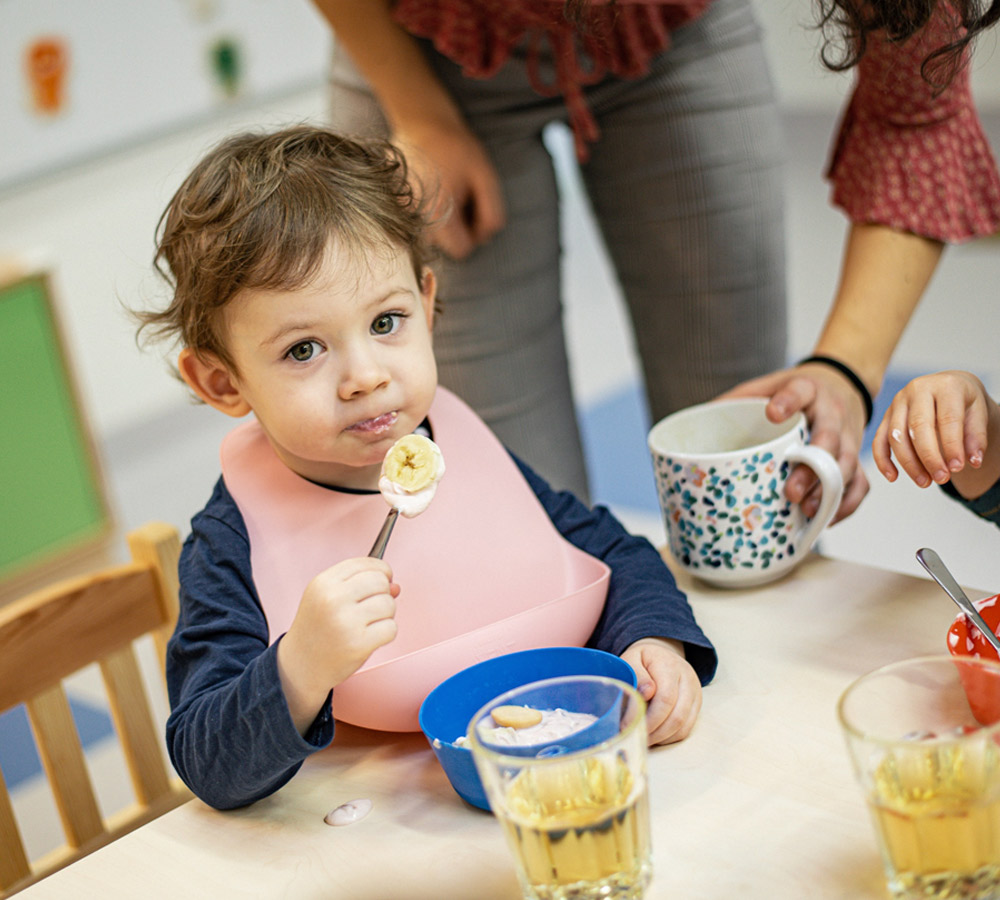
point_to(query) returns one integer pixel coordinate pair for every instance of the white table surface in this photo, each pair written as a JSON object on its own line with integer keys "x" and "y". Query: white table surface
{"x": 759, "y": 802}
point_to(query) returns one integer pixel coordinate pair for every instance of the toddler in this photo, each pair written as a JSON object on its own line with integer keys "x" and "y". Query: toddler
{"x": 301, "y": 293}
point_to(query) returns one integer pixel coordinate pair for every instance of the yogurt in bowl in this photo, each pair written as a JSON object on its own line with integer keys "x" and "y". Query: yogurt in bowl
{"x": 446, "y": 712}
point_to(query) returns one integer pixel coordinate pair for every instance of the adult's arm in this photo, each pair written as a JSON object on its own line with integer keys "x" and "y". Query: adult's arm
{"x": 447, "y": 161}
{"x": 912, "y": 169}
{"x": 883, "y": 277}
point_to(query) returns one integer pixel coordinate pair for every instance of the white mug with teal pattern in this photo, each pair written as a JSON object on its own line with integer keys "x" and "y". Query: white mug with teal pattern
{"x": 721, "y": 469}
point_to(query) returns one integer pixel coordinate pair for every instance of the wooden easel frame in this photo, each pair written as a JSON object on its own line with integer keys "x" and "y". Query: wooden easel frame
{"x": 75, "y": 553}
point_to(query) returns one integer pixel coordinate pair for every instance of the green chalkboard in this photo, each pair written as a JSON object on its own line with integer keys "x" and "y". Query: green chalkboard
{"x": 51, "y": 493}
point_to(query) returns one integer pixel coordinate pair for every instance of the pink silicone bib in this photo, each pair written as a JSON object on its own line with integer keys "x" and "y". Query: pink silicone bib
{"x": 482, "y": 572}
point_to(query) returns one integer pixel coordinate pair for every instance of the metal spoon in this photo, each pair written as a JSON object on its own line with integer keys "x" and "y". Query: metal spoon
{"x": 939, "y": 572}
{"x": 378, "y": 548}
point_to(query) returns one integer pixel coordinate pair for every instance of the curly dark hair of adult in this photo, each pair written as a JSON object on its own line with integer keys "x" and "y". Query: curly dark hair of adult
{"x": 847, "y": 26}
{"x": 258, "y": 212}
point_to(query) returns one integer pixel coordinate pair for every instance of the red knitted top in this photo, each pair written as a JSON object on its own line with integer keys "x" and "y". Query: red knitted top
{"x": 903, "y": 156}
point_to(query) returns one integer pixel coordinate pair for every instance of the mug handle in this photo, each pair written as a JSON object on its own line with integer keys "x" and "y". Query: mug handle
{"x": 825, "y": 466}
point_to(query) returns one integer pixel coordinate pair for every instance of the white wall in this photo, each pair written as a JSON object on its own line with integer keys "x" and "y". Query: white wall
{"x": 94, "y": 225}
{"x": 162, "y": 64}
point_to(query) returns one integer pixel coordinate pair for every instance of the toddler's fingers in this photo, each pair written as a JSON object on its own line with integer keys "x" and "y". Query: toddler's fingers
{"x": 901, "y": 442}
{"x": 376, "y": 607}
{"x": 949, "y": 414}
{"x": 976, "y": 431}
{"x": 659, "y": 694}
{"x": 881, "y": 451}
{"x": 352, "y": 567}
{"x": 676, "y": 700}
{"x": 923, "y": 425}
{"x": 645, "y": 683}
{"x": 380, "y": 633}
{"x": 679, "y": 721}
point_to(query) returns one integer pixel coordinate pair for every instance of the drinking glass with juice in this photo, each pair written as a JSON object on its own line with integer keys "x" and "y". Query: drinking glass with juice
{"x": 930, "y": 771}
{"x": 574, "y": 805}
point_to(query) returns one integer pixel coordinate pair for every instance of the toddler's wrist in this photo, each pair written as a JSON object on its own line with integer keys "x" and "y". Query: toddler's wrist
{"x": 303, "y": 695}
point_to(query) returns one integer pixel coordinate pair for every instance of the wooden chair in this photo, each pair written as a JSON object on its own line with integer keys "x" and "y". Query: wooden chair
{"x": 53, "y": 633}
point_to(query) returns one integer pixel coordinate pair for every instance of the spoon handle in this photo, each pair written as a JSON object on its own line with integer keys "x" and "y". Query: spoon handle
{"x": 378, "y": 548}
{"x": 939, "y": 572}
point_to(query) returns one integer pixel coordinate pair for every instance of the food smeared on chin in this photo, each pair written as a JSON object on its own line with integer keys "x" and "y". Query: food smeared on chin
{"x": 410, "y": 474}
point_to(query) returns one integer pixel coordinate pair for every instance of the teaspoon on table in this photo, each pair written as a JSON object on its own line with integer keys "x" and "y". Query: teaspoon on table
{"x": 939, "y": 572}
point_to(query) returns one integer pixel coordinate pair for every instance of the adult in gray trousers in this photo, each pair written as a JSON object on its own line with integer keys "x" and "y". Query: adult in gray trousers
{"x": 677, "y": 133}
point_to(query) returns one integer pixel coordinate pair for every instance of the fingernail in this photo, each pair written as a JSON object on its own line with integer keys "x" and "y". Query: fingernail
{"x": 923, "y": 481}
{"x": 941, "y": 476}
{"x": 955, "y": 465}
{"x": 646, "y": 689}
{"x": 976, "y": 459}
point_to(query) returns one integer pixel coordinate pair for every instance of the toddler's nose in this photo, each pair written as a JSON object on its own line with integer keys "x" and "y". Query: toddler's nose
{"x": 363, "y": 374}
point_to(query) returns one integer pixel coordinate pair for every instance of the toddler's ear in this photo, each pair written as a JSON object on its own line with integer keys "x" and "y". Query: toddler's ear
{"x": 428, "y": 294}
{"x": 212, "y": 382}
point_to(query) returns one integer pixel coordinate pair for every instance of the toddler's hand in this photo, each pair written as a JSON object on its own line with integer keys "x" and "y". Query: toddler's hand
{"x": 669, "y": 686}
{"x": 346, "y": 613}
{"x": 935, "y": 426}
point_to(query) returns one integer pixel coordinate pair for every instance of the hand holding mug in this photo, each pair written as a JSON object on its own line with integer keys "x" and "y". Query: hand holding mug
{"x": 721, "y": 470}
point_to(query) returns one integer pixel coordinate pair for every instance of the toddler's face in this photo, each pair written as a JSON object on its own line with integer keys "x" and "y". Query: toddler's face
{"x": 340, "y": 369}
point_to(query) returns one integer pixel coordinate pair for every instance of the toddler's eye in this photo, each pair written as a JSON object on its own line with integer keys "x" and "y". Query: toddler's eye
{"x": 386, "y": 324}
{"x": 303, "y": 351}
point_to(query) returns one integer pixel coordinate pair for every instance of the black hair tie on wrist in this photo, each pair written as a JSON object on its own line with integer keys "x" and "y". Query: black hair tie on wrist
{"x": 850, "y": 375}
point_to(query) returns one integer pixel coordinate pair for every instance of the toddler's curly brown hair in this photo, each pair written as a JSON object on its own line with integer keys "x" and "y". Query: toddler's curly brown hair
{"x": 259, "y": 211}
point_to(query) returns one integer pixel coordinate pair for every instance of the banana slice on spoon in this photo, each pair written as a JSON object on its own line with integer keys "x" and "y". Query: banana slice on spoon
{"x": 411, "y": 471}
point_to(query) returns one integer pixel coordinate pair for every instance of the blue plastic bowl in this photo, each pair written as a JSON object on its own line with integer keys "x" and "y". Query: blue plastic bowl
{"x": 446, "y": 711}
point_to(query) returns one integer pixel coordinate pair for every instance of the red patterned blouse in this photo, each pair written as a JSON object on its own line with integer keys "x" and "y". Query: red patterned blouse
{"x": 911, "y": 159}
{"x": 904, "y": 157}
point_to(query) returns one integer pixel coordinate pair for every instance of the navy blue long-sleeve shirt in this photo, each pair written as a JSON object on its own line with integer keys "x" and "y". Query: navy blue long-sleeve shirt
{"x": 230, "y": 735}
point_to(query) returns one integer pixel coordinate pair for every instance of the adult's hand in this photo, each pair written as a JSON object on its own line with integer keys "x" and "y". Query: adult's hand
{"x": 447, "y": 161}
{"x": 836, "y": 416}
{"x": 450, "y": 168}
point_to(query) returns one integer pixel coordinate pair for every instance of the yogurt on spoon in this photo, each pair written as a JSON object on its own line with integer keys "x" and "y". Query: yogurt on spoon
{"x": 410, "y": 474}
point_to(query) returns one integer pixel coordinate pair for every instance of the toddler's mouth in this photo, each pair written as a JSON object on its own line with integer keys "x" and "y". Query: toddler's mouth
{"x": 377, "y": 425}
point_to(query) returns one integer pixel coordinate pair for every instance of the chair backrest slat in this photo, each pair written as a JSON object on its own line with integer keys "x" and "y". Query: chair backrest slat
{"x": 62, "y": 757}
{"x": 134, "y": 724}
{"x": 157, "y": 546}
{"x": 13, "y": 860}
{"x": 53, "y": 633}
